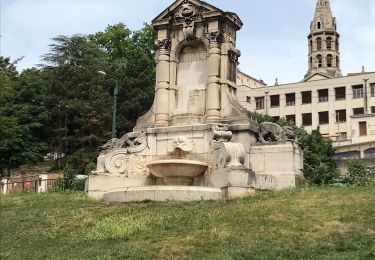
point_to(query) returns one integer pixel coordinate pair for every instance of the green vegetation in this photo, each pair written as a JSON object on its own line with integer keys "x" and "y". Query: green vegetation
{"x": 316, "y": 223}
{"x": 65, "y": 106}
{"x": 358, "y": 173}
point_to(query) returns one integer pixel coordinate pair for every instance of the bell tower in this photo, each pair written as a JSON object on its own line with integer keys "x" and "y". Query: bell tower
{"x": 324, "y": 45}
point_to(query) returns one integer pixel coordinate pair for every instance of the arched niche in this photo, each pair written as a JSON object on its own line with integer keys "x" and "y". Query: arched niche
{"x": 192, "y": 77}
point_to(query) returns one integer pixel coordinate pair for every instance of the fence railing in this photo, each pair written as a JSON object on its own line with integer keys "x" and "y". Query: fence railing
{"x": 10, "y": 186}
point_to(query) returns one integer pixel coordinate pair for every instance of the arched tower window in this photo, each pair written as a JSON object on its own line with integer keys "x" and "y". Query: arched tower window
{"x": 329, "y": 60}
{"x": 319, "y": 44}
{"x": 319, "y": 60}
{"x": 318, "y": 25}
{"x": 329, "y": 43}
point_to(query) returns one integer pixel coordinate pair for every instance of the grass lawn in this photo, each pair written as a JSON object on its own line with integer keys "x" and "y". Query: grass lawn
{"x": 316, "y": 223}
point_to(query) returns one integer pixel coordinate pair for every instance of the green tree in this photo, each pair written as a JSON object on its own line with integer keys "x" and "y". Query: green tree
{"x": 80, "y": 98}
{"x": 319, "y": 164}
{"x": 132, "y": 61}
{"x": 24, "y": 119}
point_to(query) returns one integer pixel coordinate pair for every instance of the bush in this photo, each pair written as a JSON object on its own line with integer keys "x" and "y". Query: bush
{"x": 90, "y": 167}
{"x": 358, "y": 173}
{"x": 69, "y": 181}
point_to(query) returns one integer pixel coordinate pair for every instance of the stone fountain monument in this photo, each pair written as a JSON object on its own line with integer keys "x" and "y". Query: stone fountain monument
{"x": 196, "y": 142}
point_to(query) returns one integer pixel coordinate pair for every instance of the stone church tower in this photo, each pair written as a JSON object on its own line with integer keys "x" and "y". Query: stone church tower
{"x": 324, "y": 48}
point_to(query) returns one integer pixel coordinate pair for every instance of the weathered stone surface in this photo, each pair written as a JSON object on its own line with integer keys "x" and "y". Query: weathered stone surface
{"x": 163, "y": 193}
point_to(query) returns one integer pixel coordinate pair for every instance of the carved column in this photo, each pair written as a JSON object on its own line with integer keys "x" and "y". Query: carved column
{"x": 213, "y": 106}
{"x": 163, "y": 82}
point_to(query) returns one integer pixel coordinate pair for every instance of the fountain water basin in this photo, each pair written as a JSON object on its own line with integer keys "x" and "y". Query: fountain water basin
{"x": 178, "y": 172}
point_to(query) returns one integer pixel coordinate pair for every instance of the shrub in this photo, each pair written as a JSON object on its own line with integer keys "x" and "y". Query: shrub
{"x": 91, "y": 166}
{"x": 358, "y": 173}
{"x": 68, "y": 182}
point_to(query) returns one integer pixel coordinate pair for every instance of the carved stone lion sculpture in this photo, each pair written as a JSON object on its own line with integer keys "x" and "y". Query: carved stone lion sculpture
{"x": 275, "y": 133}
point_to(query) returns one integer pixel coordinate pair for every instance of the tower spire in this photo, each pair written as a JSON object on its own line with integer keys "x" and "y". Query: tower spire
{"x": 324, "y": 55}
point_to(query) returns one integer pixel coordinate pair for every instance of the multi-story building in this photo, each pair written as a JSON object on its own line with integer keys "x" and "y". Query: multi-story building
{"x": 343, "y": 107}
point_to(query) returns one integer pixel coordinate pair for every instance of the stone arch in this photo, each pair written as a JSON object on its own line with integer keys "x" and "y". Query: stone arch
{"x": 329, "y": 43}
{"x": 319, "y": 44}
{"x": 319, "y": 60}
{"x": 329, "y": 61}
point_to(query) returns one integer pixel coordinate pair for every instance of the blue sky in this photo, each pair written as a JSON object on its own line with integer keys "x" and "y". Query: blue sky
{"x": 273, "y": 40}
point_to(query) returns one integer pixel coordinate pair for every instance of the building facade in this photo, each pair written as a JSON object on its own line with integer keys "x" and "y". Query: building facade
{"x": 343, "y": 107}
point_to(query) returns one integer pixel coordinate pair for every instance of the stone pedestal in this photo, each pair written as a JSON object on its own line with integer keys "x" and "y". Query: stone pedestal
{"x": 276, "y": 166}
{"x": 98, "y": 185}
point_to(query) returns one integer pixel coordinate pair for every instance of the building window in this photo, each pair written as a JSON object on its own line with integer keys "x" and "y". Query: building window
{"x": 319, "y": 59}
{"x": 323, "y": 118}
{"x": 248, "y": 100}
{"x": 348, "y": 155}
{"x": 323, "y": 95}
{"x": 372, "y": 110}
{"x": 358, "y": 91}
{"x": 370, "y": 153}
{"x": 340, "y": 116}
{"x": 319, "y": 44}
{"x": 275, "y": 119}
{"x": 329, "y": 43}
{"x": 362, "y": 128}
{"x": 259, "y": 101}
{"x": 372, "y": 89}
{"x": 275, "y": 101}
{"x": 358, "y": 111}
{"x": 291, "y": 118}
{"x": 290, "y": 99}
{"x": 343, "y": 136}
{"x": 306, "y": 97}
{"x": 319, "y": 25}
{"x": 340, "y": 93}
{"x": 307, "y": 119}
{"x": 329, "y": 60}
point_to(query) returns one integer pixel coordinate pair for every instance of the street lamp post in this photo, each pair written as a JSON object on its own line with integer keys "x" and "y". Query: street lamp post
{"x": 114, "y": 113}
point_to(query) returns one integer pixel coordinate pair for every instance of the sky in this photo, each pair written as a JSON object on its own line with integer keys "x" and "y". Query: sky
{"x": 273, "y": 40}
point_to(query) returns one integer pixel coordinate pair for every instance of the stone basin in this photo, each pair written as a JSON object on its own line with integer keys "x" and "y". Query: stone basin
{"x": 177, "y": 172}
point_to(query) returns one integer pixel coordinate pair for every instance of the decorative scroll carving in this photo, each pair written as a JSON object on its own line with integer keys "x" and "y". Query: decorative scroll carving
{"x": 225, "y": 153}
{"x": 274, "y": 133}
{"x": 121, "y": 162}
{"x": 127, "y": 155}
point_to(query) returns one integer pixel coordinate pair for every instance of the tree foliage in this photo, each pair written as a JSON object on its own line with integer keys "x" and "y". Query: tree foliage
{"x": 24, "y": 120}
{"x": 65, "y": 106}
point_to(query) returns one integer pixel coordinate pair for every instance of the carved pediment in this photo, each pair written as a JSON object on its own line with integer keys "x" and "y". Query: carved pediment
{"x": 187, "y": 11}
